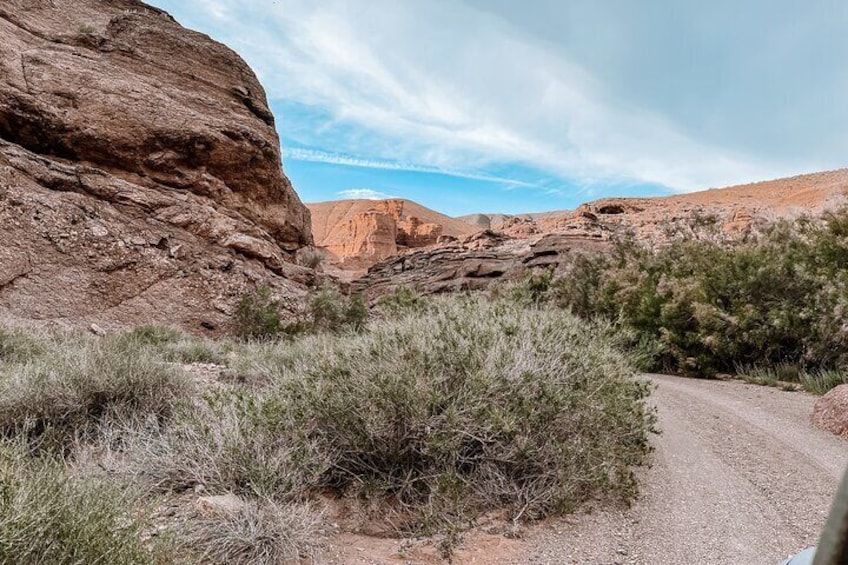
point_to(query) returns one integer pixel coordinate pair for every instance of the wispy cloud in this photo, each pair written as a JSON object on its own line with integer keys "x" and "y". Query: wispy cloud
{"x": 469, "y": 102}
{"x": 364, "y": 193}
{"x": 313, "y": 155}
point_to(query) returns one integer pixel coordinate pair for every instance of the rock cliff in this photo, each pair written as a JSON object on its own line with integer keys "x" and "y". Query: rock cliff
{"x": 140, "y": 175}
{"x": 359, "y": 233}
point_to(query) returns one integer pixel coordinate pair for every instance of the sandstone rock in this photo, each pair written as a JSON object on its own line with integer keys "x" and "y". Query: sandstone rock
{"x": 473, "y": 262}
{"x": 831, "y": 411}
{"x": 140, "y": 176}
{"x": 359, "y": 233}
{"x": 413, "y": 233}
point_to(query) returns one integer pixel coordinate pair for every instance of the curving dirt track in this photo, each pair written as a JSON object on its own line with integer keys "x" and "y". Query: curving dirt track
{"x": 739, "y": 477}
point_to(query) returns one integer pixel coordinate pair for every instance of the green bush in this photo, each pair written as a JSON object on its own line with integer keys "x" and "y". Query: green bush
{"x": 471, "y": 407}
{"x": 331, "y": 311}
{"x": 778, "y": 298}
{"x": 427, "y": 420}
{"x": 819, "y": 381}
{"x": 401, "y": 302}
{"x": 257, "y": 316}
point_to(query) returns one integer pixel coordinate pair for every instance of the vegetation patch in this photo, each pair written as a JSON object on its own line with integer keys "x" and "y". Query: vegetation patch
{"x": 429, "y": 419}
{"x": 63, "y": 394}
{"x": 420, "y": 418}
{"x": 779, "y": 299}
{"x": 47, "y": 516}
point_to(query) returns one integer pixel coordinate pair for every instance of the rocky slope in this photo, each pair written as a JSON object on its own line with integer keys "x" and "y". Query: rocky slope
{"x": 356, "y": 234}
{"x": 140, "y": 176}
{"x": 731, "y": 209}
{"x": 513, "y": 244}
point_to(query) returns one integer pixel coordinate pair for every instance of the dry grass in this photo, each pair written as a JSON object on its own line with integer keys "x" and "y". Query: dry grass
{"x": 261, "y": 532}
{"x": 71, "y": 386}
{"x": 47, "y": 516}
{"x": 438, "y": 412}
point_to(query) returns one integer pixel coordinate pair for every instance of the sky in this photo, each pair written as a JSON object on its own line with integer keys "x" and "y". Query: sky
{"x": 518, "y": 106}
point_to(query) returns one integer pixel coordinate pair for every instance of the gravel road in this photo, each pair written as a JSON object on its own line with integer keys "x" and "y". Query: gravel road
{"x": 739, "y": 477}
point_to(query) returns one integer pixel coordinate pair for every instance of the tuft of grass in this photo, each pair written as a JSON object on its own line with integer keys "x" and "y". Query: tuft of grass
{"x": 86, "y": 29}
{"x": 261, "y": 532}
{"x": 820, "y": 381}
{"x": 46, "y": 516}
{"x": 18, "y": 346}
{"x": 777, "y": 374}
{"x": 402, "y": 301}
{"x": 784, "y": 375}
{"x": 311, "y": 258}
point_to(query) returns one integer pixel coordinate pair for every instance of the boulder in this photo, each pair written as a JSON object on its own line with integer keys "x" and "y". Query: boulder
{"x": 831, "y": 411}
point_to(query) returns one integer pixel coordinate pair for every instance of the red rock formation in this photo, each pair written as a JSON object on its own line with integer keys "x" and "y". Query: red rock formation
{"x": 140, "y": 176}
{"x": 360, "y": 233}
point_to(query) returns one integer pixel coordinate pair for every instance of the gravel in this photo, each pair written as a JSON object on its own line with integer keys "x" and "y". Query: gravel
{"x": 739, "y": 476}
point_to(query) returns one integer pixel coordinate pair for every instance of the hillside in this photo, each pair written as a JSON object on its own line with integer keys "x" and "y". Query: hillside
{"x": 733, "y": 206}
{"x": 550, "y": 240}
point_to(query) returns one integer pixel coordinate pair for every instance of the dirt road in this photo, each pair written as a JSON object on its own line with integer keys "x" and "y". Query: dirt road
{"x": 739, "y": 477}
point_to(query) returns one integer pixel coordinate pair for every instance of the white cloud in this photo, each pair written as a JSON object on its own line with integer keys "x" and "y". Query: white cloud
{"x": 438, "y": 85}
{"x": 364, "y": 193}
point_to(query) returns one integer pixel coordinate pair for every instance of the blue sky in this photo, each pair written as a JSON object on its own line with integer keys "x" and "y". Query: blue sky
{"x": 505, "y": 106}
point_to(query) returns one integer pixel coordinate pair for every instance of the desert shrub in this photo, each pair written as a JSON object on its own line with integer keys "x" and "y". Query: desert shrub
{"x": 86, "y": 29}
{"x": 311, "y": 258}
{"x": 533, "y": 288}
{"x": 426, "y": 420}
{"x": 257, "y": 315}
{"x": 402, "y": 301}
{"x": 470, "y": 407}
{"x": 46, "y": 516}
{"x": 66, "y": 392}
{"x": 260, "y": 532}
{"x": 223, "y": 444}
{"x": 331, "y": 311}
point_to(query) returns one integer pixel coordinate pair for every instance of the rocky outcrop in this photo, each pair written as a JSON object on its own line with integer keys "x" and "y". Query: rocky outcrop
{"x": 359, "y": 233}
{"x": 140, "y": 175}
{"x": 474, "y": 263}
{"x": 731, "y": 213}
{"x": 369, "y": 235}
{"x": 831, "y": 411}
